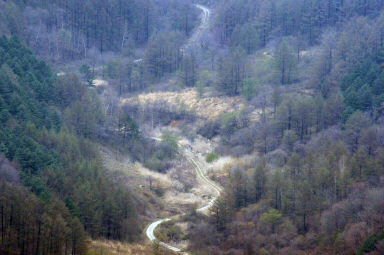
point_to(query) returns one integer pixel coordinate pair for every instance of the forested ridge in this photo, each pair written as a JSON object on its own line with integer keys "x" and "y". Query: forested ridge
{"x": 52, "y": 126}
{"x": 67, "y": 192}
{"x": 55, "y": 192}
{"x": 69, "y": 30}
{"x": 253, "y": 24}
{"x": 314, "y": 185}
{"x": 283, "y": 99}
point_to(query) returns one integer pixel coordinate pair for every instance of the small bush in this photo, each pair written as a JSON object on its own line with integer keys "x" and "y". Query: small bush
{"x": 211, "y": 157}
{"x": 210, "y": 129}
{"x": 169, "y": 145}
{"x": 174, "y": 233}
{"x": 159, "y": 191}
{"x": 160, "y": 236}
{"x": 153, "y": 163}
{"x": 370, "y": 243}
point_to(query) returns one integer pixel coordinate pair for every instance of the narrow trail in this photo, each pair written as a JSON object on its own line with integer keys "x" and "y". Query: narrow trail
{"x": 209, "y": 182}
{"x": 200, "y": 173}
{"x": 195, "y": 38}
{"x": 199, "y": 31}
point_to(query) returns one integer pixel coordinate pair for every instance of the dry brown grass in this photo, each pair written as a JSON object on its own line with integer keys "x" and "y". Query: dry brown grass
{"x": 135, "y": 172}
{"x": 105, "y": 247}
{"x": 207, "y": 107}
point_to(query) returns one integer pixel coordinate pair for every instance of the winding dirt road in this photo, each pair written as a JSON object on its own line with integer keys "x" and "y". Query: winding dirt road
{"x": 200, "y": 173}
{"x": 196, "y": 36}
{"x": 199, "y": 31}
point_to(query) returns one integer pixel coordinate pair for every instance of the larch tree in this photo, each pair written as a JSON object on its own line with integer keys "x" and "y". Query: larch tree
{"x": 285, "y": 63}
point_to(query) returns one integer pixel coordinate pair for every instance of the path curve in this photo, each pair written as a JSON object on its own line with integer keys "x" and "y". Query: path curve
{"x": 200, "y": 173}
{"x": 204, "y": 24}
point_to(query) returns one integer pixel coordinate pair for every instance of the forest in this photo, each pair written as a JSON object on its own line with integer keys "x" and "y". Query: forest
{"x": 66, "y": 191}
{"x": 69, "y": 30}
{"x": 237, "y": 126}
{"x": 316, "y": 187}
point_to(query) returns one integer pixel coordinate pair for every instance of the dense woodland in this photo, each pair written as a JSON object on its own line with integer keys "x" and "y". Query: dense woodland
{"x": 316, "y": 186}
{"x": 253, "y": 23}
{"x": 50, "y": 168}
{"x": 309, "y": 173}
{"x": 67, "y": 191}
{"x": 69, "y": 30}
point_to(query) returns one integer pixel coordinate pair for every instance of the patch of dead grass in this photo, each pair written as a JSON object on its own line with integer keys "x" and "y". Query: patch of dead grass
{"x": 206, "y": 107}
{"x": 107, "y": 247}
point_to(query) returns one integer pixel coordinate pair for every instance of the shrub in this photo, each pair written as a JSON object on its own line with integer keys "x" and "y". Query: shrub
{"x": 370, "y": 243}
{"x": 153, "y": 163}
{"x": 210, "y": 129}
{"x": 211, "y": 157}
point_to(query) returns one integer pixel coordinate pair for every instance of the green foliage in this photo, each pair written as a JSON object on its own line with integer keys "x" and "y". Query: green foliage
{"x": 163, "y": 153}
{"x": 205, "y": 80}
{"x": 250, "y": 88}
{"x": 221, "y": 212}
{"x": 272, "y": 217}
{"x": 200, "y": 88}
{"x": 88, "y": 20}
{"x": 327, "y": 141}
{"x": 289, "y": 139}
{"x": 32, "y": 156}
{"x": 170, "y": 144}
{"x": 154, "y": 163}
{"x": 159, "y": 191}
{"x": 174, "y": 233}
{"x": 69, "y": 89}
{"x": 232, "y": 72}
{"x": 25, "y": 86}
{"x": 211, "y": 157}
{"x": 87, "y": 73}
{"x": 113, "y": 69}
{"x": 188, "y": 69}
{"x": 57, "y": 162}
{"x": 264, "y": 251}
{"x": 10, "y": 16}
{"x": 260, "y": 181}
{"x": 229, "y": 123}
{"x": 369, "y": 243}
{"x": 84, "y": 116}
{"x": 362, "y": 89}
{"x": 129, "y": 128}
{"x": 169, "y": 231}
{"x": 183, "y": 16}
{"x": 246, "y": 36}
{"x": 162, "y": 55}
{"x": 253, "y": 24}
{"x": 156, "y": 248}
{"x": 285, "y": 63}
{"x": 192, "y": 210}
{"x": 357, "y": 122}
{"x": 26, "y": 97}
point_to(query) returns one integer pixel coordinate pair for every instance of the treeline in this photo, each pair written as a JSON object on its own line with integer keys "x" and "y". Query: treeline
{"x": 363, "y": 88}
{"x": 68, "y": 30}
{"x": 316, "y": 185}
{"x": 45, "y": 129}
{"x": 163, "y": 56}
{"x": 322, "y": 194}
{"x": 347, "y": 33}
{"x": 31, "y": 226}
{"x": 252, "y": 23}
